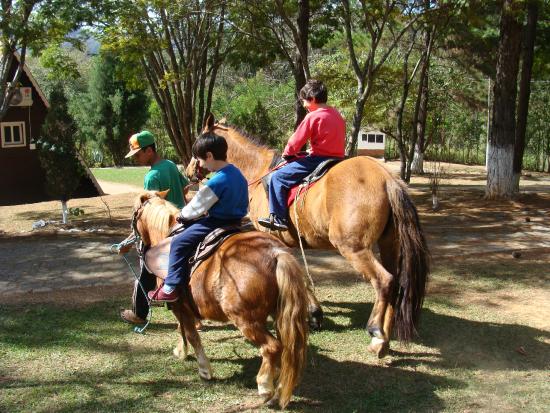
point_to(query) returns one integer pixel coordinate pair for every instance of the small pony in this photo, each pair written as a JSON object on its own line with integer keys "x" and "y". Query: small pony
{"x": 250, "y": 277}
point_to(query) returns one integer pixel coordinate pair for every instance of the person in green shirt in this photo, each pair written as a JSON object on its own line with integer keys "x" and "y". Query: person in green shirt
{"x": 163, "y": 175}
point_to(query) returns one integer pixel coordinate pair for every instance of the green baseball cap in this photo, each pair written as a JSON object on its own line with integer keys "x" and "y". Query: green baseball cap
{"x": 139, "y": 141}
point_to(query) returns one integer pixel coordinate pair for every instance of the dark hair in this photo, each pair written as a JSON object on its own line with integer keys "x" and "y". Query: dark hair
{"x": 314, "y": 89}
{"x": 210, "y": 142}
{"x": 152, "y": 146}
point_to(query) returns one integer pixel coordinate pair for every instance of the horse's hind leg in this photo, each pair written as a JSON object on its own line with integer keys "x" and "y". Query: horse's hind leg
{"x": 366, "y": 263}
{"x": 270, "y": 349}
{"x": 187, "y": 328}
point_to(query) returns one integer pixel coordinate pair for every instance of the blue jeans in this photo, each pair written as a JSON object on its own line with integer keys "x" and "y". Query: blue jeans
{"x": 287, "y": 177}
{"x": 183, "y": 246}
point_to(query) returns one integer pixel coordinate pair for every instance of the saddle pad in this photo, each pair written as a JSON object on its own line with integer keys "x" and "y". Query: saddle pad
{"x": 156, "y": 258}
{"x": 294, "y": 190}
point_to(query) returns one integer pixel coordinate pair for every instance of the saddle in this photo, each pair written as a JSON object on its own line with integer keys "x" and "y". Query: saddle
{"x": 307, "y": 182}
{"x": 156, "y": 258}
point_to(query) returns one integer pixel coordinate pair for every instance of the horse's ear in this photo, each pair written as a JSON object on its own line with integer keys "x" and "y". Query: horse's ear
{"x": 162, "y": 194}
{"x": 208, "y": 123}
{"x": 144, "y": 196}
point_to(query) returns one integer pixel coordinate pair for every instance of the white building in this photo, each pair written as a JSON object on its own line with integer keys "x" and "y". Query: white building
{"x": 371, "y": 143}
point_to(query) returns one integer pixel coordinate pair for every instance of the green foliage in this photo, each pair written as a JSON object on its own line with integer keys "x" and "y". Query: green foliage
{"x": 75, "y": 212}
{"x": 262, "y": 105}
{"x": 57, "y": 152}
{"x": 111, "y": 111}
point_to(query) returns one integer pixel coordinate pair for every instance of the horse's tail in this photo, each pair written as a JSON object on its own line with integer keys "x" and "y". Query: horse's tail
{"x": 412, "y": 260}
{"x": 291, "y": 324}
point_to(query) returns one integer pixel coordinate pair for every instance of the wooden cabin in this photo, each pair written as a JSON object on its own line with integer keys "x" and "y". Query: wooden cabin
{"x": 24, "y": 177}
{"x": 371, "y": 143}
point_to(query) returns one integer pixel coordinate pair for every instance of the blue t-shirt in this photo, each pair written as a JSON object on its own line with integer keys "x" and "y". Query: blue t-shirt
{"x": 231, "y": 188}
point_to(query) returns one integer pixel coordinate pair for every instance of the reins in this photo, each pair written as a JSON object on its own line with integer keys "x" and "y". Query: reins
{"x": 136, "y": 239}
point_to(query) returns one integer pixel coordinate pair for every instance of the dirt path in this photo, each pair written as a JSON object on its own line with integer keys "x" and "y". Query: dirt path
{"x": 42, "y": 265}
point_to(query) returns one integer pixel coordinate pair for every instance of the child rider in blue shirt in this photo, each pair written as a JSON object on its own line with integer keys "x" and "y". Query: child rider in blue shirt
{"x": 221, "y": 202}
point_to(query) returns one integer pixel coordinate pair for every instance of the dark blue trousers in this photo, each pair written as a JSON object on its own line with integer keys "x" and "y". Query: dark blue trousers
{"x": 183, "y": 246}
{"x": 285, "y": 178}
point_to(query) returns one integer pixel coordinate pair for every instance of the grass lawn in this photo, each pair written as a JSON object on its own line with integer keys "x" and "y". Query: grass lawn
{"x": 130, "y": 175}
{"x": 66, "y": 358}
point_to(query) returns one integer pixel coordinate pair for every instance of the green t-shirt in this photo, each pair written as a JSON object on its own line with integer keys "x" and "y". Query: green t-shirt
{"x": 166, "y": 175}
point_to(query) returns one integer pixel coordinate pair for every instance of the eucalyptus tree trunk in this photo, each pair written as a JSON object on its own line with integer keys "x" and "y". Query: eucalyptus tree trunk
{"x": 524, "y": 89}
{"x": 500, "y": 182}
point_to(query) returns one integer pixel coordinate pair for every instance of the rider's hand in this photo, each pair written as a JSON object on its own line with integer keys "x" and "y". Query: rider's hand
{"x": 180, "y": 219}
{"x": 289, "y": 158}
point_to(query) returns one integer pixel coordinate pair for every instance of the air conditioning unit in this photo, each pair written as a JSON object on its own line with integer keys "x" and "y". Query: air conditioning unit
{"x": 22, "y": 97}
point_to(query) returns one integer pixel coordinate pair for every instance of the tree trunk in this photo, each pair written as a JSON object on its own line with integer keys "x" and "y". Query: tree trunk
{"x": 501, "y": 141}
{"x": 64, "y": 212}
{"x": 524, "y": 89}
{"x": 356, "y": 126}
{"x": 301, "y": 69}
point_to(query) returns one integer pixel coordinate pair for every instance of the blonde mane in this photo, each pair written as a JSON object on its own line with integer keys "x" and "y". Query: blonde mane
{"x": 159, "y": 216}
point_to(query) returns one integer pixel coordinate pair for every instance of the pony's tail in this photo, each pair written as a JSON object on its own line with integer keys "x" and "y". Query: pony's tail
{"x": 291, "y": 324}
{"x": 412, "y": 261}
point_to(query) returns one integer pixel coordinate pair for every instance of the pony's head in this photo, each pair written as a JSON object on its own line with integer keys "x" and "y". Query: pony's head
{"x": 153, "y": 216}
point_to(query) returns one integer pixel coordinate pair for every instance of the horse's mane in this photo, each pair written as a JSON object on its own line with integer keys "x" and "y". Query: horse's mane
{"x": 253, "y": 139}
{"x": 249, "y": 153}
{"x": 157, "y": 215}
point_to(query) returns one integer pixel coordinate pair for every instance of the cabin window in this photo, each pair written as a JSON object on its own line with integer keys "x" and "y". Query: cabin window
{"x": 364, "y": 137}
{"x": 13, "y": 134}
{"x": 372, "y": 138}
{"x": 379, "y": 138}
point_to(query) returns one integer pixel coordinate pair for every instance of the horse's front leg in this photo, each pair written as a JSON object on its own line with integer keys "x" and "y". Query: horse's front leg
{"x": 188, "y": 331}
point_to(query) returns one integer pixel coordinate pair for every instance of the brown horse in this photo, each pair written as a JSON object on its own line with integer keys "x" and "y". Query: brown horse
{"x": 355, "y": 206}
{"x": 251, "y": 276}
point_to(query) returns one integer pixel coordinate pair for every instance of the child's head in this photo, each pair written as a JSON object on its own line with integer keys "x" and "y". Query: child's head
{"x": 210, "y": 142}
{"x": 314, "y": 89}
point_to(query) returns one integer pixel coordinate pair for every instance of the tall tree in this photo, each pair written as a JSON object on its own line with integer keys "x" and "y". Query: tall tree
{"x": 112, "y": 110}
{"x": 283, "y": 27}
{"x": 180, "y": 46}
{"x": 500, "y": 182}
{"x": 376, "y": 19}
{"x": 57, "y": 151}
{"x": 33, "y": 24}
{"x": 528, "y": 47}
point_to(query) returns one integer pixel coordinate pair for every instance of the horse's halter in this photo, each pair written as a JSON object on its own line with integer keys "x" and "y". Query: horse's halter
{"x": 137, "y": 236}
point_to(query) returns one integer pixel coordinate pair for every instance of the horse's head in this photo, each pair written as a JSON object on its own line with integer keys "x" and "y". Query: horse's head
{"x": 194, "y": 171}
{"x": 153, "y": 216}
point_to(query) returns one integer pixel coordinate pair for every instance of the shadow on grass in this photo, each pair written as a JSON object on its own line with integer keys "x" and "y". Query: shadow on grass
{"x": 462, "y": 343}
{"x": 328, "y": 384}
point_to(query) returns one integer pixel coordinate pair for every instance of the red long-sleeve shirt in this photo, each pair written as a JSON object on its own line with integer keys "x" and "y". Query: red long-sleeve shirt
{"x": 325, "y": 129}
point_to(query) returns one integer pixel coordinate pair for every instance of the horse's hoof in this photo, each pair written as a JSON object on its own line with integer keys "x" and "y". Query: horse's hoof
{"x": 273, "y": 403}
{"x": 205, "y": 374}
{"x": 375, "y": 332}
{"x": 379, "y": 347}
{"x": 316, "y": 319}
{"x": 265, "y": 391}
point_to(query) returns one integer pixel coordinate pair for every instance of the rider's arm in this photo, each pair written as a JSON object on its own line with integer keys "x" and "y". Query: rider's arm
{"x": 299, "y": 138}
{"x": 200, "y": 204}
